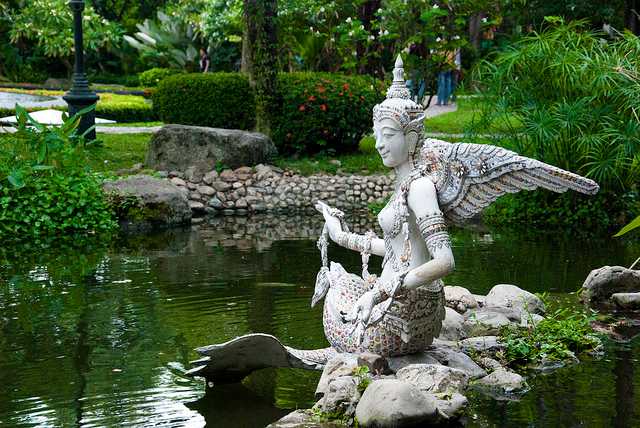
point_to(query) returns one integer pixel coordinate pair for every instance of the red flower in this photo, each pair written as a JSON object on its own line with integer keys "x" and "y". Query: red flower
{"x": 345, "y": 86}
{"x": 312, "y": 98}
{"x": 321, "y": 89}
{"x": 340, "y": 94}
{"x": 323, "y": 107}
{"x": 302, "y": 108}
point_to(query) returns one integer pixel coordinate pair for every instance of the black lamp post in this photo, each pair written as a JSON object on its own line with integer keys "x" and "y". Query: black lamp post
{"x": 80, "y": 96}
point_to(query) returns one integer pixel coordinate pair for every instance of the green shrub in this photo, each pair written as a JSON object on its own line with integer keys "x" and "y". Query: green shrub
{"x": 323, "y": 111}
{"x": 571, "y": 212}
{"x": 151, "y": 77}
{"x": 367, "y": 145}
{"x": 45, "y": 188}
{"x": 219, "y": 100}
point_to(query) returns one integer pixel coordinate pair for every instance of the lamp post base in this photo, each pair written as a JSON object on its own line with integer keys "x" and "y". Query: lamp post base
{"x": 77, "y": 103}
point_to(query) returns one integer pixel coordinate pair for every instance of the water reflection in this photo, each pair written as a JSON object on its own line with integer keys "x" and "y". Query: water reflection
{"x": 96, "y": 335}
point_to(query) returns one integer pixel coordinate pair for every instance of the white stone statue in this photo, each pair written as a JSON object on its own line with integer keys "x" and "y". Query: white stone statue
{"x": 437, "y": 183}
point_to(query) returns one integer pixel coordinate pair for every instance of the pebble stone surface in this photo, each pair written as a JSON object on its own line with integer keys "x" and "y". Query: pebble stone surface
{"x": 265, "y": 188}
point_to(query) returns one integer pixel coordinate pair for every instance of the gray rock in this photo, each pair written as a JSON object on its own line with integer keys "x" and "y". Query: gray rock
{"x": 397, "y": 363}
{"x": 459, "y": 298}
{"x": 341, "y": 397}
{"x": 206, "y": 190}
{"x": 193, "y": 175}
{"x": 210, "y": 177}
{"x": 451, "y": 405}
{"x": 630, "y": 301}
{"x": 376, "y": 363}
{"x": 394, "y": 403}
{"x": 196, "y": 207}
{"x": 162, "y": 174}
{"x": 481, "y": 344}
{"x": 180, "y": 146}
{"x": 178, "y": 181}
{"x": 602, "y": 283}
{"x": 502, "y": 384}
{"x": 215, "y": 203}
{"x": 142, "y": 202}
{"x": 484, "y": 322}
{"x": 434, "y": 378}
{"x": 301, "y": 418}
{"x": 452, "y": 326}
{"x": 530, "y": 320}
{"x": 456, "y": 359}
{"x": 511, "y": 296}
{"x": 342, "y": 364}
{"x": 489, "y": 363}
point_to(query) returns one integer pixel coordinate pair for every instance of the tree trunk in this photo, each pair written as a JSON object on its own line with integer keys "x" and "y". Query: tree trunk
{"x": 372, "y": 65}
{"x": 262, "y": 53}
{"x": 474, "y": 30}
{"x": 245, "y": 58}
{"x": 632, "y": 16}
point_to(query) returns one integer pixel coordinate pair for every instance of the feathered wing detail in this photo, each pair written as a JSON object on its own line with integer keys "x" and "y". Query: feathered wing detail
{"x": 469, "y": 177}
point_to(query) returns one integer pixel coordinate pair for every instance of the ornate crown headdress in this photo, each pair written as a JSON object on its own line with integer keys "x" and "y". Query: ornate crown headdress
{"x": 398, "y": 104}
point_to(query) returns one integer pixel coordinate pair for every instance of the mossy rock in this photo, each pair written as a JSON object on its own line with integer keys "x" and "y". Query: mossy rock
{"x": 145, "y": 202}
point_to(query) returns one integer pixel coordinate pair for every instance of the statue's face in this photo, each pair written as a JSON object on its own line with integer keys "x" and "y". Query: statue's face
{"x": 390, "y": 142}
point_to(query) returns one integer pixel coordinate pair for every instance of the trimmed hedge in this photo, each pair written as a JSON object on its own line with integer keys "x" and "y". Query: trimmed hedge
{"x": 217, "y": 100}
{"x": 318, "y": 111}
{"x": 323, "y": 111}
{"x": 153, "y": 76}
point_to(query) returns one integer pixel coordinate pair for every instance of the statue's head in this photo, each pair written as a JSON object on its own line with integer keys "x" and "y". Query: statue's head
{"x": 397, "y": 122}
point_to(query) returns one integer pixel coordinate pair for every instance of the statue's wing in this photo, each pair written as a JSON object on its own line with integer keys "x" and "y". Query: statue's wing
{"x": 469, "y": 177}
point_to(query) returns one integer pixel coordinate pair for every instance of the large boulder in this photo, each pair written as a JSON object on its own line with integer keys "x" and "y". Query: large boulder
{"x": 459, "y": 298}
{"x": 485, "y": 322}
{"x": 452, "y": 326}
{"x": 503, "y": 384}
{"x": 343, "y": 364}
{"x": 628, "y": 301}
{"x": 434, "y": 378}
{"x": 511, "y": 296}
{"x": 606, "y": 281}
{"x": 142, "y": 202}
{"x": 395, "y": 403}
{"x": 177, "y": 147}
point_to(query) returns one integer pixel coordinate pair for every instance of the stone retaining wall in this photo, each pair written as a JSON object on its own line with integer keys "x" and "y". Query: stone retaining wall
{"x": 270, "y": 189}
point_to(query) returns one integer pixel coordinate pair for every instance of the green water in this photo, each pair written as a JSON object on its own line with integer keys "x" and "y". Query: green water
{"x": 98, "y": 334}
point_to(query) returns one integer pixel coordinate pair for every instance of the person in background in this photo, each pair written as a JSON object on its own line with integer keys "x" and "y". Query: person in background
{"x": 205, "y": 61}
{"x": 445, "y": 80}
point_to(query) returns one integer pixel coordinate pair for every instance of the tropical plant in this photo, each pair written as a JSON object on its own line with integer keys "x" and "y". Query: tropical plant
{"x": 574, "y": 94}
{"x": 49, "y": 24}
{"x": 45, "y": 186}
{"x": 165, "y": 42}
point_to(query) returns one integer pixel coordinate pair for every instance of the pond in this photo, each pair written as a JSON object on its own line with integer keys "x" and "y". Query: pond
{"x": 99, "y": 335}
{"x": 10, "y": 99}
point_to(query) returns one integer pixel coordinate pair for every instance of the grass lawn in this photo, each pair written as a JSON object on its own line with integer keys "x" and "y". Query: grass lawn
{"x": 459, "y": 121}
{"x": 133, "y": 124}
{"x": 118, "y": 151}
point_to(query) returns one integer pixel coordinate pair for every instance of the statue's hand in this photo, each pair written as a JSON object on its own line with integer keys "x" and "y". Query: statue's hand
{"x": 361, "y": 311}
{"x": 333, "y": 223}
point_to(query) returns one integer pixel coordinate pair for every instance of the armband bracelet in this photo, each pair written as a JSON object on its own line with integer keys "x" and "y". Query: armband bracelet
{"x": 434, "y": 231}
{"x": 352, "y": 241}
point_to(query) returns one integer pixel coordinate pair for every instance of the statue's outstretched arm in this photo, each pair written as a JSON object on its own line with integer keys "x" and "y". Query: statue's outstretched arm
{"x": 352, "y": 241}
{"x": 423, "y": 201}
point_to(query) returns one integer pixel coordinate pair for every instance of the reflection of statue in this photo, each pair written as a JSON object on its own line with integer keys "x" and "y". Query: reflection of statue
{"x": 437, "y": 183}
